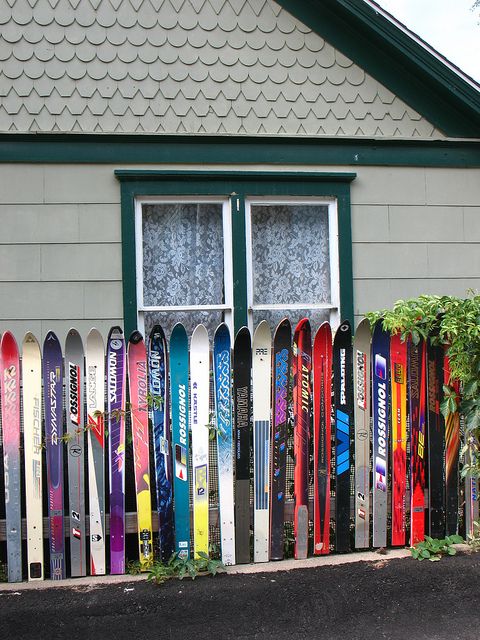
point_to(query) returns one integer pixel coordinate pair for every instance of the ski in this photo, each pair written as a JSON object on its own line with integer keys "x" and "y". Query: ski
{"x": 10, "y": 398}
{"x": 398, "y": 369}
{"x": 322, "y": 437}
{"x": 116, "y": 379}
{"x": 95, "y": 375}
{"x": 53, "y": 399}
{"x": 343, "y": 402}
{"x": 242, "y": 369}
{"x": 138, "y": 391}
{"x": 199, "y": 398}
{"x": 261, "y": 439}
{"x": 160, "y": 417}
{"x": 452, "y": 450}
{"x": 435, "y": 439}
{"x": 74, "y": 372}
{"x": 302, "y": 397}
{"x": 417, "y": 388}
{"x": 281, "y": 362}
{"x": 180, "y": 438}
{"x": 361, "y": 375}
{"x": 471, "y": 492}
{"x": 223, "y": 409}
{"x": 32, "y": 442}
{"x": 380, "y": 414}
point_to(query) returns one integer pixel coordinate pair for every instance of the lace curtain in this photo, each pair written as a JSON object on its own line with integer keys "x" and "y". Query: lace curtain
{"x": 291, "y": 261}
{"x": 182, "y": 262}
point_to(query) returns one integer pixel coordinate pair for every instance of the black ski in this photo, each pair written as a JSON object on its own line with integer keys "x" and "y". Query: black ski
{"x": 343, "y": 400}
{"x": 242, "y": 367}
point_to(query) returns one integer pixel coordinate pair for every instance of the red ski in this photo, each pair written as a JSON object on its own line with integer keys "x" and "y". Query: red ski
{"x": 322, "y": 403}
{"x": 302, "y": 392}
{"x": 417, "y": 382}
{"x": 452, "y": 448}
{"x": 398, "y": 368}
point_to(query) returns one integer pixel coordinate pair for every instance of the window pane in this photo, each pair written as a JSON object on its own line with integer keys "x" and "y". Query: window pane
{"x": 290, "y": 254}
{"x": 190, "y": 319}
{"x": 182, "y": 254}
{"x": 316, "y": 317}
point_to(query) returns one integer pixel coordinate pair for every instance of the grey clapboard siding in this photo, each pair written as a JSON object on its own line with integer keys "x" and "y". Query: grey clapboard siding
{"x": 405, "y": 241}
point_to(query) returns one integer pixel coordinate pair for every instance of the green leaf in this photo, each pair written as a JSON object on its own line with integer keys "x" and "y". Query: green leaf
{"x": 451, "y": 551}
{"x": 425, "y": 553}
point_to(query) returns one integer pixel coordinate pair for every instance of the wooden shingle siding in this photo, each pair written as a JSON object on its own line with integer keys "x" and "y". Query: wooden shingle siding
{"x": 209, "y": 67}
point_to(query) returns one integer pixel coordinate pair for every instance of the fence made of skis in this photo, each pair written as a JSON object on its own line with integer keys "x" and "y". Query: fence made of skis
{"x": 257, "y": 449}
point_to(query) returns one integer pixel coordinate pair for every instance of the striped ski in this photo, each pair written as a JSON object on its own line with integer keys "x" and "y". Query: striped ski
{"x": 380, "y": 404}
{"x": 10, "y": 398}
{"x": 417, "y": 385}
{"x": 452, "y": 450}
{"x": 361, "y": 375}
{"x": 343, "y": 402}
{"x": 322, "y": 437}
{"x": 160, "y": 417}
{"x": 436, "y": 440}
{"x": 398, "y": 369}
{"x": 116, "y": 379}
{"x": 302, "y": 397}
{"x": 242, "y": 370}
{"x": 180, "y": 438}
{"x": 74, "y": 372}
{"x": 32, "y": 437}
{"x": 95, "y": 375}
{"x": 53, "y": 399}
{"x": 199, "y": 398}
{"x": 261, "y": 439}
{"x": 138, "y": 390}
{"x": 281, "y": 363}
{"x": 223, "y": 410}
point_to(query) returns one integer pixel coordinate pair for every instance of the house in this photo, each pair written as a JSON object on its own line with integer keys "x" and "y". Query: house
{"x": 166, "y": 160}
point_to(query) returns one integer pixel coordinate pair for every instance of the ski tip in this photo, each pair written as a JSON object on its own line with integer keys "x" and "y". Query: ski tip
{"x": 51, "y": 337}
{"x": 157, "y": 333}
{"x": 201, "y": 330}
{"x": 135, "y": 337}
{"x": 303, "y": 325}
{"x": 8, "y": 338}
{"x": 222, "y": 330}
{"x": 263, "y": 329}
{"x": 242, "y": 332}
{"x": 283, "y": 324}
{"x": 178, "y": 331}
{"x": 29, "y": 338}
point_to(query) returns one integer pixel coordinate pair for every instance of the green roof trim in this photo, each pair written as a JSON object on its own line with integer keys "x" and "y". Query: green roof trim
{"x": 396, "y": 60}
{"x": 142, "y": 149}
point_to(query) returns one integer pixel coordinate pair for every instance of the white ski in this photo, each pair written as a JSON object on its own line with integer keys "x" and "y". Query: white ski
{"x": 32, "y": 433}
{"x": 95, "y": 374}
{"x": 199, "y": 394}
{"x": 261, "y": 379}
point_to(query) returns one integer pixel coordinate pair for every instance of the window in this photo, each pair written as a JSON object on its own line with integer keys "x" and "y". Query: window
{"x": 184, "y": 263}
{"x": 292, "y": 260}
{"x": 204, "y": 246}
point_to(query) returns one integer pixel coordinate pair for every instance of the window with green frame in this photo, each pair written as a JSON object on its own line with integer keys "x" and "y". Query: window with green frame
{"x": 202, "y": 246}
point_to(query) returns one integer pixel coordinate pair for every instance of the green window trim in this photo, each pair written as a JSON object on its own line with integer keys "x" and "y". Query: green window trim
{"x": 236, "y": 185}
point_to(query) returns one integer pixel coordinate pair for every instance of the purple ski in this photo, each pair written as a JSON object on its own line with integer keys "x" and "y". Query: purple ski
{"x": 116, "y": 373}
{"x": 53, "y": 392}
